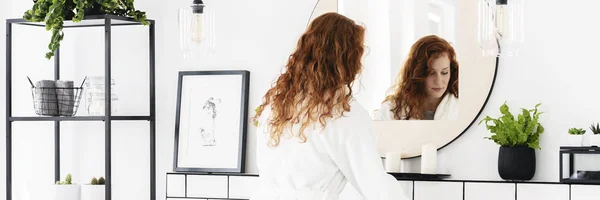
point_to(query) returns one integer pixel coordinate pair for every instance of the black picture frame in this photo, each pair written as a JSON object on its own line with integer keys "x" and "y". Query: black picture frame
{"x": 243, "y": 122}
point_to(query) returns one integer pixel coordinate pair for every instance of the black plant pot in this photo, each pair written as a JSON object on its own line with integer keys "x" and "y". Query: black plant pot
{"x": 96, "y": 9}
{"x": 68, "y": 13}
{"x": 516, "y": 163}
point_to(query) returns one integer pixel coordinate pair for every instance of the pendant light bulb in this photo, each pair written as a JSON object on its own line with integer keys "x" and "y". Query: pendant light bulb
{"x": 198, "y": 21}
{"x": 500, "y": 27}
{"x": 197, "y": 34}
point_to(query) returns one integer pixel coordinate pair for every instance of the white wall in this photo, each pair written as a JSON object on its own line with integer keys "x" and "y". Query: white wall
{"x": 556, "y": 67}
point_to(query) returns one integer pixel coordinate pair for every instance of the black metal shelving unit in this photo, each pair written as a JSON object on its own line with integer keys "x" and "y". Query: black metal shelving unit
{"x": 571, "y": 152}
{"x": 106, "y": 21}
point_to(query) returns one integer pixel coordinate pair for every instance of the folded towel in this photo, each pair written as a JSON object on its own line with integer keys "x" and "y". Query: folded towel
{"x": 65, "y": 94}
{"x": 45, "y": 98}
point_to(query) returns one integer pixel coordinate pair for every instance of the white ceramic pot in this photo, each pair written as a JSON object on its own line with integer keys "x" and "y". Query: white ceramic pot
{"x": 575, "y": 140}
{"x": 594, "y": 140}
{"x": 67, "y": 192}
{"x": 92, "y": 192}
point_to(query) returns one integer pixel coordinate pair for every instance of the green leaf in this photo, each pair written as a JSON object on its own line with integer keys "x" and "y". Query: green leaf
{"x": 80, "y": 7}
{"x": 504, "y": 109}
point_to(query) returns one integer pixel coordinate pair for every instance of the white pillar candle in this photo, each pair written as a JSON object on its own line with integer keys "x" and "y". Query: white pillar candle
{"x": 392, "y": 162}
{"x": 429, "y": 159}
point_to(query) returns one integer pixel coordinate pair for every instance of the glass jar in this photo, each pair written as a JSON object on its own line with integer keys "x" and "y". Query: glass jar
{"x": 95, "y": 96}
{"x": 96, "y": 105}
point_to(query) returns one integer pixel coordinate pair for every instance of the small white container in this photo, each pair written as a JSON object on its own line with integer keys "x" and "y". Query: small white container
{"x": 92, "y": 192}
{"x": 594, "y": 139}
{"x": 66, "y": 192}
{"x": 574, "y": 140}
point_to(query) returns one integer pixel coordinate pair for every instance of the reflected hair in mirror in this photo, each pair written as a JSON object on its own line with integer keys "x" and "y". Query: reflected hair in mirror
{"x": 409, "y": 93}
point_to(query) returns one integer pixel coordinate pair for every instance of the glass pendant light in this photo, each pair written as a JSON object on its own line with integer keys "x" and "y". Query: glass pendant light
{"x": 196, "y": 29}
{"x": 500, "y": 27}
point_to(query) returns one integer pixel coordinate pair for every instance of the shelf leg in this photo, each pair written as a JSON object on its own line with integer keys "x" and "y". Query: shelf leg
{"x": 152, "y": 114}
{"x": 57, "y": 123}
{"x": 107, "y": 103}
{"x": 56, "y": 151}
{"x": 8, "y": 111}
{"x": 571, "y": 164}
{"x": 560, "y": 167}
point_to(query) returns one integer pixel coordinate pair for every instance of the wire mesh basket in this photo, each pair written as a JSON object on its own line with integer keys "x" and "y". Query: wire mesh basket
{"x": 55, "y": 98}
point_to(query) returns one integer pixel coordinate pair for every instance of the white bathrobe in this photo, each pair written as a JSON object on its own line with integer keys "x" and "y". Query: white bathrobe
{"x": 446, "y": 110}
{"x": 344, "y": 151}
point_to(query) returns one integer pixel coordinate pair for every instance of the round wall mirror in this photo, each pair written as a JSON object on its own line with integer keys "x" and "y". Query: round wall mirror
{"x": 448, "y": 95}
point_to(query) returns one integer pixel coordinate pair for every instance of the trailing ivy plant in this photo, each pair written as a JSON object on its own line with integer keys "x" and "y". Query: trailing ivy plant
{"x": 54, "y": 12}
{"x": 508, "y": 131}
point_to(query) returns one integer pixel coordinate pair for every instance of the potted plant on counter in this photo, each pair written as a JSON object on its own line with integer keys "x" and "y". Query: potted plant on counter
{"x": 576, "y": 136}
{"x": 94, "y": 190}
{"x": 66, "y": 190}
{"x": 518, "y": 138}
{"x": 595, "y": 137}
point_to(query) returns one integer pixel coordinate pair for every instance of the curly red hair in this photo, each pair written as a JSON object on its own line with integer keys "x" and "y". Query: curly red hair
{"x": 318, "y": 78}
{"x": 409, "y": 91}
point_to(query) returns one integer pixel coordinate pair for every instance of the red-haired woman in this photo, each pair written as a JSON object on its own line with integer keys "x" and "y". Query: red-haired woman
{"x": 427, "y": 86}
{"x": 312, "y": 136}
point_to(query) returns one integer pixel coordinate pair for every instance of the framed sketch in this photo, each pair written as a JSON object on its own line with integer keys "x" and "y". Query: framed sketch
{"x": 211, "y": 121}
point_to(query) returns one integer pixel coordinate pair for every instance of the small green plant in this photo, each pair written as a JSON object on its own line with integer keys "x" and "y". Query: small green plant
{"x": 508, "y": 131}
{"x": 67, "y": 181}
{"x": 97, "y": 181}
{"x": 595, "y": 129}
{"x": 576, "y": 131}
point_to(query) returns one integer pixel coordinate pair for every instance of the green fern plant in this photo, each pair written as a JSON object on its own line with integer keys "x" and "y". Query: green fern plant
{"x": 595, "y": 129}
{"x": 576, "y": 131}
{"x": 508, "y": 131}
{"x": 54, "y": 12}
